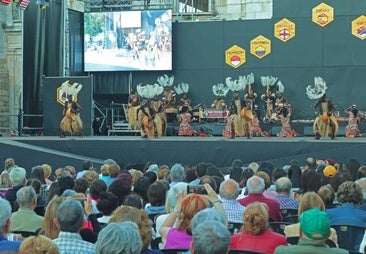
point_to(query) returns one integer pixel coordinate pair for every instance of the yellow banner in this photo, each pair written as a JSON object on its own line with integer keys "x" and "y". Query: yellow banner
{"x": 235, "y": 56}
{"x": 260, "y": 46}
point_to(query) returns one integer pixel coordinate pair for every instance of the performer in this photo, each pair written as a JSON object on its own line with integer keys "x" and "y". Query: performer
{"x": 220, "y": 91}
{"x": 133, "y": 105}
{"x": 71, "y": 122}
{"x": 229, "y": 130}
{"x": 247, "y": 112}
{"x": 146, "y": 119}
{"x": 285, "y": 117}
{"x": 325, "y": 123}
{"x": 169, "y": 98}
{"x": 160, "y": 119}
{"x": 256, "y": 129}
{"x": 269, "y": 98}
{"x": 352, "y": 130}
{"x": 185, "y": 118}
{"x": 238, "y": 104}
{"x": 182, "y": 90}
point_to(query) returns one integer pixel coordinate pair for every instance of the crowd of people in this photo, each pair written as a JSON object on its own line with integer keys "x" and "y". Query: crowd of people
{"x": 194, "y": 209}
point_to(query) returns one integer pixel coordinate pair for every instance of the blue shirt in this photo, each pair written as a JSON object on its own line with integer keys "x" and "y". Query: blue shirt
{"x": 70, "y": 243}
{"x": 6, "y": 245}
{"x": 286, "y": 202}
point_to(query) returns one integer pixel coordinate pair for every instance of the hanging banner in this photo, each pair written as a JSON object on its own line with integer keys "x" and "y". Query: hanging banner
{"x": 260, "y": 46}
{"x": 323, "y": 14}
{"x": 359, "y": 27}
{"x": 235, "y": 56}
{"x": 284, "y": 30}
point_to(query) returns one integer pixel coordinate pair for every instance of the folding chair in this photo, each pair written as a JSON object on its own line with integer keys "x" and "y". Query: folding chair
{"x": 349, "y": 237}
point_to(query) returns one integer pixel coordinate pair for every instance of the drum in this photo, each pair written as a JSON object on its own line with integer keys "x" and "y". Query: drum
{"x": 325, "y": 117}
{"x": 247, "y": 114}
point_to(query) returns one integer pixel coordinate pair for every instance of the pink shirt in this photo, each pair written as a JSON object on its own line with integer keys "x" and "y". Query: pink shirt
{"x": 177, "y": 239}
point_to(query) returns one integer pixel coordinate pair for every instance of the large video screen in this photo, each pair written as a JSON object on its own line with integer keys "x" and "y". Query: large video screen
{"x": 128, "y": 41}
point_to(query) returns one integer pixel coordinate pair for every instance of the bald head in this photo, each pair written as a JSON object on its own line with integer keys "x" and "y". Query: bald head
{"x": 255, "y": 184}
{"x": 229, "y": 189}
{"x": 283, "y": 185}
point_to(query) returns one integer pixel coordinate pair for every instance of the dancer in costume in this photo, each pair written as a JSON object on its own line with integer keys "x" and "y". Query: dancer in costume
{"x": 256, "y": 129}
{"x": 133, "y": 105}
{"x": 229, "y": 130}
{"x": 220, "y": 91}
{"x": 247, "y": 113}
{"x": 352, "y": 130}
{"x": 268, "y": 97}
{"x": 146, "y": 119}
{"x": 182, "y": 90}
{"x": 71, "y": 121}
{"x": 159, "y": 116}
{"x": 185, "y": 128}
{"x": 285, "y": 118}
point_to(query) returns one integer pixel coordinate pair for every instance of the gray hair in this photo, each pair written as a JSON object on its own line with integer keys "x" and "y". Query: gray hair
{"x": 17, "y": 176}
{"x": 283, "y": 185}
{"x": 360, "y": 182}
{"x": 70, "y": 215}
{"x": 211, "y": 237}
{"x": 119, "y": 238}
{"x": 229, "y": 189}
{"x": 171, "y": 195}
{"x": 26, "y": 196}
{"x": 5, "y": 213}
{"x": 177, "y": 173}
{"x": 208, "y": 214}
{"x": 255, "y": 184}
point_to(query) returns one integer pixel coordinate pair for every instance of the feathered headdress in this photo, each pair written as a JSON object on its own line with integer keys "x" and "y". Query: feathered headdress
{"x": 236, "y": 85}
{"x": 181, "y": 88}
{"x": 165, "y": 81}
{"x": 280, "y": 87}
{"x": 220, "y": 89}
{"x": 319, "y": 89}
{"x": 268, "y": 81}
{"x": 250, "y": 78}
{"x": 73, "y": 89}
{"x": 149, "y": 91}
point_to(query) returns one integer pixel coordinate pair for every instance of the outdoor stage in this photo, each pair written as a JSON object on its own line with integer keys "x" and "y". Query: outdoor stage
{"x": 35, "y": 150}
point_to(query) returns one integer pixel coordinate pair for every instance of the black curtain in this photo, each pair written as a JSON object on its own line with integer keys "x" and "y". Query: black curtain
{"x": 76, "y": 31}
{"x": 43, "y": 52}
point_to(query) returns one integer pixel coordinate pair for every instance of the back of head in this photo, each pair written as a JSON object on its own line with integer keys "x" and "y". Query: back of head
{"x": 26, "y": 196}
{"x": 38, "y": 245}
{"x": 171, "y": 200}
{"x": 47, "y": 170}
{"x": 107, "y": 203}
{"x": 119, "y": 238}
{"x": 97, "y": 188}
{"x": 70, "y": 216}
{"x": 255, "y": 184}
{"x": 266, "y": 177}
{"x": 210, "y": 237}
{"x": 86, "y": 165}
{"x": 120, "y": 189}
{"x": 327, "y": 194}
{"x": 156, "y": 193}
{"x": 349, "y": 192}
{"x": 17, "y": 176}
{"x": 37, "y": 172}
{"x": 283, "y": 185}
{"x": 9, "y": 162}
{"x": 229, "y": 189}
{"x": 208, "y": 214}
{"x": 314, "y": 224}
{"x": 177, "y": 173}
{"x": 278, "y": 173}
{"x": 256, "y": 218}
{"x": 5, "y": 213}
{"x": 310, "y": 200}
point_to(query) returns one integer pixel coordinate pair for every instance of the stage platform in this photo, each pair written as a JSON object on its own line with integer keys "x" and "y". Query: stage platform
{"x": 33, "y": 150}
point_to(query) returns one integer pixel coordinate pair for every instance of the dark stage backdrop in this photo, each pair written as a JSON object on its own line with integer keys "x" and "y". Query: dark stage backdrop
{"x": 52, "y": 110}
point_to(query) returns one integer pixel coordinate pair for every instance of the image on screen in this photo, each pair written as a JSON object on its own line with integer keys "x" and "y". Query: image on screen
{"x": 128, "y": 40}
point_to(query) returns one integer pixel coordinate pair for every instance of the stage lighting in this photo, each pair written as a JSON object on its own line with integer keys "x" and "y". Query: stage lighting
{"x": 6, "y": 2}
{"x": 22, "y": 4}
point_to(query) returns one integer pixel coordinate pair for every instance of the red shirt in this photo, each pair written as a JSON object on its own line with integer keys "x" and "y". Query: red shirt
{"x": 265, "y": 242}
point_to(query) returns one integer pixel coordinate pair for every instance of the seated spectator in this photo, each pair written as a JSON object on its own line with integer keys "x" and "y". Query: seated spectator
{"x": 283, "y": 188}
{"x": 47, "y": 172}
{"x": 135, "y": 174}
{"x": 310, "y": 180}
{"x": 327, "y": 194}
{"x": 86, "y": 166}
{"x": 119, "y": 238}
{"x": 49, "y": 228}
{"x": 210, "y": 237}
{"x": 294, "y": 173}
{"x": 5, "y": 223}
{"x": 362, "y": 183}
{"x": 156, "y": 195}
{"x": 141, "y": 186}
{"x": 128, "y": 213}
{"x": 177, "y": 174}
{"x": 349, "y": 196}
{"x": 277, "y": 173}
{"x": 256, "y": 234}
{"x": 90, "y": 176}
{"x": 134, "y": 200}
{"x": 70, "y": 220}
{"x": 267, "y": 184}
{"x": 209, "y": 180}
{"x": 108, "y": 202}
{"x": 41, "y": 201}
{"x": 308, "y": 201}
{"x": 38, "y": 245}
{"x": 120, "y": 189}
{"x": 18, "y": 178}
{"x": 5, "y": 183}
{"x": 25, "y": 219}
{"x": 229, "y": 191}
{"x": 163, "y": 170}
{"x": 81, "y": 185}
{"x": 314, "y": 231}
{"x": 95, "y": 190}
{"x": 256, "y": 186}
{"x": 113, "y": 171}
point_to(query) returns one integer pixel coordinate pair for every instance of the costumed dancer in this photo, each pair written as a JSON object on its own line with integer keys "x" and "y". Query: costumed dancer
{"x": 182, "y": 89}
{"x": 237, "y": 103}
{"x": 169, "y": 96}
{"x": 352, "y": 129}
{"x": 71, "y": 121}
{"x": 185, "y": 128}
{"x": 285, "y": 118}
{"x": 220, "y": 91}
{"x": 145, "y": 112}
{"x": 280, "y": 102}
{"x": 325, "y": 123}
{"x": 256, "y": 129}
{"x": 133, "y": 105}
{"x": 229, "y": 130}
{"x": 247, "y": 113}
{"x": 268, "y": 97}
{"x": 158, "y": 109}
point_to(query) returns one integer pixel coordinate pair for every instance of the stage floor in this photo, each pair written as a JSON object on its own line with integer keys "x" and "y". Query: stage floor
{"x": 36, "y": 150}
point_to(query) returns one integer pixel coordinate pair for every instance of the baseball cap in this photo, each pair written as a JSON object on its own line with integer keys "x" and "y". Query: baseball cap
{"x": 315, "y": 224}
{"x": 329, "y": 171}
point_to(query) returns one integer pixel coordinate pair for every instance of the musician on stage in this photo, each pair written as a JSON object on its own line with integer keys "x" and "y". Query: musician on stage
{"x": 185, "y": 128}
{"x": 325, "y": 123}
{"x": 71, "y": 122}
{"x": 133, "y": 105}
{"x": 352, "y": 129}
{"x": 158, "y": 111}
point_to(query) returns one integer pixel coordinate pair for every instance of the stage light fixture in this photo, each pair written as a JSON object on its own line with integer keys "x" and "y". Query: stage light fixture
{"x": 5, "y": 2}
{"x": 22, "y": 4}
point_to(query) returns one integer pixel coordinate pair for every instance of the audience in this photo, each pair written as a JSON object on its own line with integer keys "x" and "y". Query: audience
{"x": 18, "y": 179}
{"x": 256, "y": 234}
{"x": 177, "y": 174}
{"x": 283, "y": 188}
{"x": 38, "y": 245}
{"x": 229, "y": 191}
{"x": 6, "y": 246}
